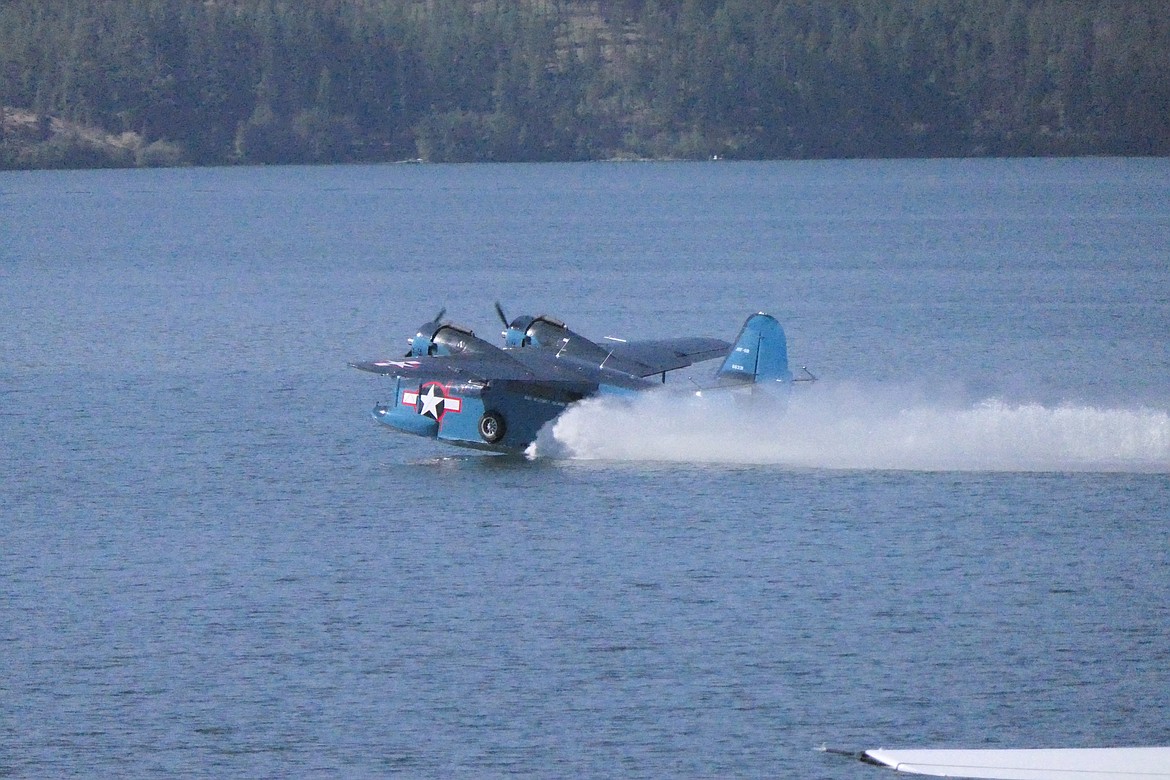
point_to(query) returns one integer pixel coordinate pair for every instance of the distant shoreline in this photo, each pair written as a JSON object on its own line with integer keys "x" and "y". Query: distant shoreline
{"x": 50, "y": 143}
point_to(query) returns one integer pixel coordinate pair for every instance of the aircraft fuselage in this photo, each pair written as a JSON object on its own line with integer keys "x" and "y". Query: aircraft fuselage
{"x": 499, "y": 415}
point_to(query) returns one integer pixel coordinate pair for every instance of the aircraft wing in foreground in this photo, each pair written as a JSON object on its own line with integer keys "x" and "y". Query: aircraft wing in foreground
{"x": 456, "y": 387}
{"x": 1114, "y": 763}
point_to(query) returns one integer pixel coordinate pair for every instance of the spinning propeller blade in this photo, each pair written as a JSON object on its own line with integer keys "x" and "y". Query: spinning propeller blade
{"x": 431, "y": 326}
{"x": 500, "y": 311}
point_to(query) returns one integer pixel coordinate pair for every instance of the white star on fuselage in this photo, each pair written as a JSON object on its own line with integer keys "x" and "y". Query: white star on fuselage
{"x": 432, "y": 403}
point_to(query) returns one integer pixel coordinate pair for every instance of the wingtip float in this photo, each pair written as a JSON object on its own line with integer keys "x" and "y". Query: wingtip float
{"x": 455, "y": 387}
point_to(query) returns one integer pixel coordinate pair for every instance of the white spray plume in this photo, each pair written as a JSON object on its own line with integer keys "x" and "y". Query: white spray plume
{"x": 848, "y": 427}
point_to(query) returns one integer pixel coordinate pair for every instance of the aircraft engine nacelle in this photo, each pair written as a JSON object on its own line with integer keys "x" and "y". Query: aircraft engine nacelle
{"x": 551, "y": 333}
{"x": 436, "y": 338}
{"x": 517, "y": 333}
{"x": 542, "y": 331}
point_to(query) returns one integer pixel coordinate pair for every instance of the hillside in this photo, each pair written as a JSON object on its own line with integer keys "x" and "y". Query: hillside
{"x": 276, "y": 81}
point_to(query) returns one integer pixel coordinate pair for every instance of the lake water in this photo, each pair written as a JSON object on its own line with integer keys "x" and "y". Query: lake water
{"x": 214, "y": 563}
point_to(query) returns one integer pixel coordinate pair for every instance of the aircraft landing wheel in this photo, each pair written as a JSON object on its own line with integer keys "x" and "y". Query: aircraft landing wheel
{"x": 491, "y": 427}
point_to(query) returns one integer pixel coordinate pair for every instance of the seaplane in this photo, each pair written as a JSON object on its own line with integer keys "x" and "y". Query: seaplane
{"x": 458, "y": 388}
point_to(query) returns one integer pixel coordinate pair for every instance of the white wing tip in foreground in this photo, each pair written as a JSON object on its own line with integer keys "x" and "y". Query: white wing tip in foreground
{"x": 1124, "y": 763}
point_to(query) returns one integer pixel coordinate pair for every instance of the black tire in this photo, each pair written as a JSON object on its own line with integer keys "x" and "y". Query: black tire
{"x": 491, "y": 427}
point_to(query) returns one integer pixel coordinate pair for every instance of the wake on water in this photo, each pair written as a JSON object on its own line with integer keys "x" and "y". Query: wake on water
{"x": 849, "y": 427}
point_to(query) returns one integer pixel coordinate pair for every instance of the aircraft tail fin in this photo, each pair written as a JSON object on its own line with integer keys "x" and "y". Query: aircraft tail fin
{"x": 759, "y": 356}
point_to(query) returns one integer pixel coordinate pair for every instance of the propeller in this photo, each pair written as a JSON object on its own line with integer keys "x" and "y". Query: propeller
{"x": 500, "y": 311}
{"x": 432, "y": 326}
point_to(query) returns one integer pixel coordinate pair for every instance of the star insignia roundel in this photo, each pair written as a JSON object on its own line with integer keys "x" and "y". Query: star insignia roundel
{"x": 433, "y": 401}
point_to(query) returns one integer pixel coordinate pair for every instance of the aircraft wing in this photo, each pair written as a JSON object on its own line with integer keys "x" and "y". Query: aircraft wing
{"x": 458, "y": 367}
{"x": 1150, "y": 763}
{"x": 655, "y": 357}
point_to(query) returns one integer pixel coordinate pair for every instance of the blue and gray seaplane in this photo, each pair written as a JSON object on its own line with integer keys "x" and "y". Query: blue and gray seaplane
{"x": 458, "y": 388}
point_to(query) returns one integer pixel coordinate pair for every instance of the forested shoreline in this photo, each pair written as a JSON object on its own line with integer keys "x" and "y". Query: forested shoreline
{"x": 89, "y": 83}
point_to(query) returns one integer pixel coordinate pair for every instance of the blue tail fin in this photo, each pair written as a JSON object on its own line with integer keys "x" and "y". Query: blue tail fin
{"x": 760, "y": 354}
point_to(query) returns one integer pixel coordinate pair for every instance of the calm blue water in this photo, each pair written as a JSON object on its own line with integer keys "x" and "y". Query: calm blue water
{"x": 213, "y": 563}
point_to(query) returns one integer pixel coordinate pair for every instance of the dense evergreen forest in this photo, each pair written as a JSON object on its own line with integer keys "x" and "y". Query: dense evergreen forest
{"x": 163, "y": 82}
